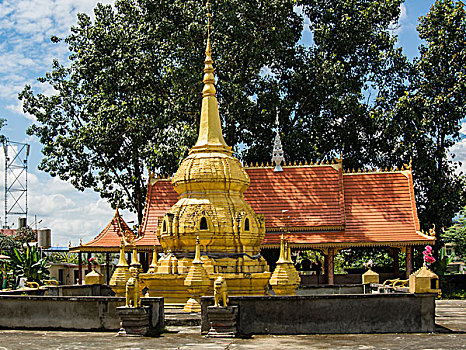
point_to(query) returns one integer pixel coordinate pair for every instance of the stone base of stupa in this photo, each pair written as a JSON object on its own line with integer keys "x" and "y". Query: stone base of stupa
{"x": 171, "y": 286}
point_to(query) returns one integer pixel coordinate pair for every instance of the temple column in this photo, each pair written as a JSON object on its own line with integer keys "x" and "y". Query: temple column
{"x": 150, "y": 256}
{"x": 329, "y": 266}
{"x": 107, "y": 261}
{"x": 88, "y": 263}
{"x": 409, "y": 261}
{"x": 80, "y": 266}
{"x": 396, "y": 262}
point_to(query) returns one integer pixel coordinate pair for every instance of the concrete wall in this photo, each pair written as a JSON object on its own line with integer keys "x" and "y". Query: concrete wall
{"x": 324, "y": 314}
{"x": 350, "y": 278}
{"x": 76, "y": 313}
{"x": 76, "y": 290}
{"x": 328, "y": 289}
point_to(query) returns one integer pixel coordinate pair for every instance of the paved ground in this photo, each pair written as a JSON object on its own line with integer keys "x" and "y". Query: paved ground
{"x": 450, "y": 334}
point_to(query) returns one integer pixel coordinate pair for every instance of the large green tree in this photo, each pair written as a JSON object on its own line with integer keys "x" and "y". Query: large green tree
{"x": 457, "y": 234}
{"x": 427, "y": 118}
{"x": 339, "y": 81}
{"x": 130, "y": 97}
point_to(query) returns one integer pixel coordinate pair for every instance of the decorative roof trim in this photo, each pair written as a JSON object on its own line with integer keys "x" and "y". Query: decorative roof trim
{"x": 305, "y": 229}
{"x": 84, "y": 249}
{"x": 334, "y": 163}
{"x": 346, "y": 245}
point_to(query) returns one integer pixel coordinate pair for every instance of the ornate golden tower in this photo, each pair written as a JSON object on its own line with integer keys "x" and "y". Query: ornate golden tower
{"x": 211, "y": 206}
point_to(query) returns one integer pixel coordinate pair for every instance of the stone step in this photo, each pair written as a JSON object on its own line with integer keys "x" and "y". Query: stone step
{"x": 177, "y": 317}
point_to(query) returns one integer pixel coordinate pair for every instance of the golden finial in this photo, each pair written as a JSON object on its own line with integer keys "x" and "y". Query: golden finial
{"x": 209, "y": 79}
{"x": 197, "y": 255}
{"x": 262, "y": 164}
{"x": 134, "y": 259}
{"x": 210, "y": 129}
{"x": 282, "y": 257}
{"x": 300, "y": 163}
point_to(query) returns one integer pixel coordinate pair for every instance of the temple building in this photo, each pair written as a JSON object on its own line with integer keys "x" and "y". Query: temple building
{"x": 109, "y": 241}
{"x": 322, "y": 207}
{"x": 236, "y": 215}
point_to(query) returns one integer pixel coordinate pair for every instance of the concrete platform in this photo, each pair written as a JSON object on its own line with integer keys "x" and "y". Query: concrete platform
{"x": 450, "y": 334}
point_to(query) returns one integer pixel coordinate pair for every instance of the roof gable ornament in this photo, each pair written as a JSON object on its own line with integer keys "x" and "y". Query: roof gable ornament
{"x": 278, "y": 154}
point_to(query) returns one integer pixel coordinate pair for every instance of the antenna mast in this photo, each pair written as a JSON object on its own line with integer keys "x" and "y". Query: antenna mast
{"x": 16, "y": 179}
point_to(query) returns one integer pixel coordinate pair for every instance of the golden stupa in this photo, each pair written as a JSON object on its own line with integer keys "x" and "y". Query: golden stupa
{"x": 211, "y": 206}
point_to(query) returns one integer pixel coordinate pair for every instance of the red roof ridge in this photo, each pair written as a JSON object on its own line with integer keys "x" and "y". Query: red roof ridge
{"x": 403, "y": 170}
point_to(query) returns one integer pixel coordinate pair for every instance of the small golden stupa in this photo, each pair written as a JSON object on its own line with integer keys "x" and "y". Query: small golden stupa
{"x": 210, "y": 183}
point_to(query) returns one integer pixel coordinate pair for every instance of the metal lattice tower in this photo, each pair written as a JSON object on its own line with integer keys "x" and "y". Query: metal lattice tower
{"x": 16, "y": 179}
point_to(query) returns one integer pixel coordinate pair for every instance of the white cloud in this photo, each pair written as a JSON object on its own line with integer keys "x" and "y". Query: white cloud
{"x": 463, "y": 129}
{"x": 402, "y": 23}
{"x": 18, "y": 109}
{"x": 459, "y": 150}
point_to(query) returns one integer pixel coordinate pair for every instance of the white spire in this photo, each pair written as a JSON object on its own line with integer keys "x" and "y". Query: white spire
{"x": 278, "y": 156}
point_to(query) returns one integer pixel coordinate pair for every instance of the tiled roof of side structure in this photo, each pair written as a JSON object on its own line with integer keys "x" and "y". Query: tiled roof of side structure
{"x": 302, "y": 196}
{"x": 380, "y": 207}
{"x": 110, "y": 237}
{"x": 318, "y": 205}
{"x": 161, "y": 196}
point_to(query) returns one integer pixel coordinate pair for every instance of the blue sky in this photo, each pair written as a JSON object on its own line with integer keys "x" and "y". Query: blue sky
{"x": 27, "y": 53}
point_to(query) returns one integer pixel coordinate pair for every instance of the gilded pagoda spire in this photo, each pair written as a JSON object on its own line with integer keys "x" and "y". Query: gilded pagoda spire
{"x": 210, "y": 129}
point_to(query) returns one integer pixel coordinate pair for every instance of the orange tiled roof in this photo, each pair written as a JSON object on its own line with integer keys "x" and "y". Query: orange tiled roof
{"x": 323, "y": 207}
{"x": 298, "y": 196}
{"x": 110, "y": 237}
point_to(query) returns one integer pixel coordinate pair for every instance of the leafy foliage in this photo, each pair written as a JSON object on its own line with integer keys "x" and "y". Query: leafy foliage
{"x": 130, "y": 98}
{"x": 457, "y": 234}
{"x": 67, "y": 258}
{"x": 7, "y": 242}
{"x": 433, "y": 109}
{"x": 25, "y": 235}
{"x": 28, "y": 263}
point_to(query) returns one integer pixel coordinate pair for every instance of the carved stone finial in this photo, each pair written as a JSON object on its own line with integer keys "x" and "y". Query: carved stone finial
{"x": 278, "y": 156}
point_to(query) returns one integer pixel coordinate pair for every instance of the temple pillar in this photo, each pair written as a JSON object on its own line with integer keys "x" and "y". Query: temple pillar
{"x": 80, "y": 266}
{"x": 88, "y": 263}
{"x": 329, "y": 266}
{"x": 150, "y": 256}
{"x": 107, "y": 261}
{"x": 409, "y": 261}
{"x": 396, "y": 262}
